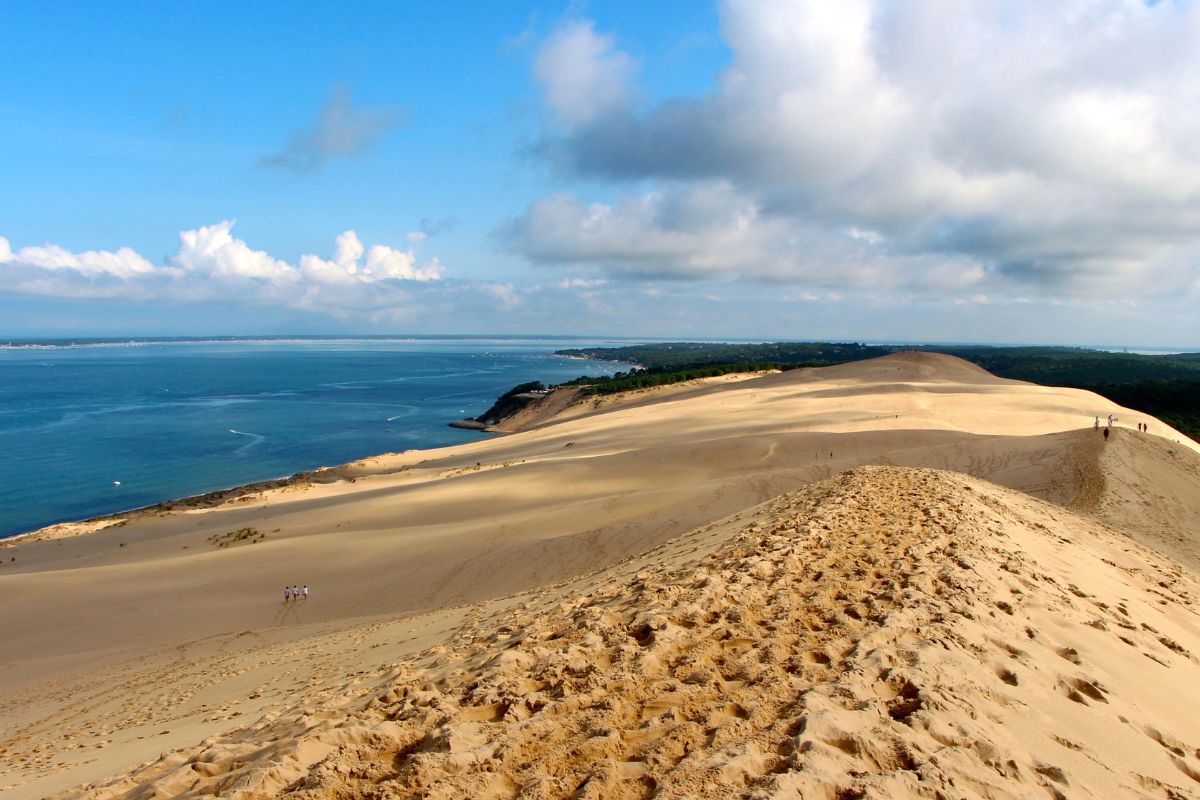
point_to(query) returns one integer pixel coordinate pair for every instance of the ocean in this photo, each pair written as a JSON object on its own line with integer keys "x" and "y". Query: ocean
{"x": 96, "y": 428}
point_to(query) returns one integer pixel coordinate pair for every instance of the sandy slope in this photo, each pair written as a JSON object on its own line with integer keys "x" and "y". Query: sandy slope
{"x": 889, "y": 632}
{"x": 126, "y": 633}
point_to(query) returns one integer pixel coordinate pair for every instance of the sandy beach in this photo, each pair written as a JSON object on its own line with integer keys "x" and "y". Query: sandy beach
{"x": 896, "y": 578}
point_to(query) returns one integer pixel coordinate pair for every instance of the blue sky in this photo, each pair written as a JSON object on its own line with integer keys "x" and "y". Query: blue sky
{"x": 1003, "y": 171}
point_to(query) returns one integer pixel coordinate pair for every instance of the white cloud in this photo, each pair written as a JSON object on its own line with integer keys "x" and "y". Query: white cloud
{"x": 581, "y": 283}
{"x": 211, "y": 263}
{"x": 382, "y": 263}
{"x": 1045, "y": 144}
{"x": 211, "y": 251}
{"x": 387, "y": 262}
{"x": 123, "y": 263}
{"x": 506, "y": 293}
{"x": 347, "y": 249}
{"x": 813, "y": 297}
{"x": 582, "y": 73}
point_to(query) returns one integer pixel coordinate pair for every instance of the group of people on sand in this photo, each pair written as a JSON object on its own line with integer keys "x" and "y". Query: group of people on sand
{"x": 295, "y": 593}
{"x": 1141, "y": 426}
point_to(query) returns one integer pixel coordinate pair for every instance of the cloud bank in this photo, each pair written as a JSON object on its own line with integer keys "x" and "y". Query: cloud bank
{"x": 992, "y": 146}
{"x": 212, "y": 264}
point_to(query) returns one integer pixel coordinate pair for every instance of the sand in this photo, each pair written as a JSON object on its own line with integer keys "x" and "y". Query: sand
{"x": 892, "y": 578}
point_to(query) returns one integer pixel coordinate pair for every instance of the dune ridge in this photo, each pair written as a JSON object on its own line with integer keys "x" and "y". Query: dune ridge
{"x": 889, "y": 632}
{"x": 137, "y": 641}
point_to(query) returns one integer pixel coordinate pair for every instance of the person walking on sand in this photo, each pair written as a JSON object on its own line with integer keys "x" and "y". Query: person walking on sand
{"x": 1096, "y": 424}
{"x": 1110, "y": 420}
{"x": 305, "y": 590}
{"x": 295, "y": 592}
{"x": 1106, "y": 430}
{"x": 287, "y": 594}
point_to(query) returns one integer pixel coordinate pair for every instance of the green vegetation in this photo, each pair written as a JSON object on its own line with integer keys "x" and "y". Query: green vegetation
{"x": 685, "y": 355}
{"x": 1064, "y": 366}
{"x": 249, "y": 535}
{"x": 661, "y": 376}
{"x": 1077, "y": 367}
{"x": 675, "y": 362}
{"x": 510, "y": 402}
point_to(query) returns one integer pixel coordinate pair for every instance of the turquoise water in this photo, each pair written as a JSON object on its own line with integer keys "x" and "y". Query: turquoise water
{"x": 171, "y": 419}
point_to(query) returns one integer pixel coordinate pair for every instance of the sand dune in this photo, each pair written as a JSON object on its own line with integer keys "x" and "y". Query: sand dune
{"x": 456, "y": 594}
{"x": 888, "y": 632}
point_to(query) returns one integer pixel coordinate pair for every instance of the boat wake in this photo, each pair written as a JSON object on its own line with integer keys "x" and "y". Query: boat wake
{"x": 256, "y": 439}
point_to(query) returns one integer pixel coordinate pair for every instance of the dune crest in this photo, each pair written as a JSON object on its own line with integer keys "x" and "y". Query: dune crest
{"x": 890, "y": 632}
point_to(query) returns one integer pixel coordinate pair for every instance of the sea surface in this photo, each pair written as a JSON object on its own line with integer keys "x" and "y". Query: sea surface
{"x": 95, "y": 428}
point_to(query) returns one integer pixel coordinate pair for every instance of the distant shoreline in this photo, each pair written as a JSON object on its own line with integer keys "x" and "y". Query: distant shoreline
{"x": 68, "y": 342}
